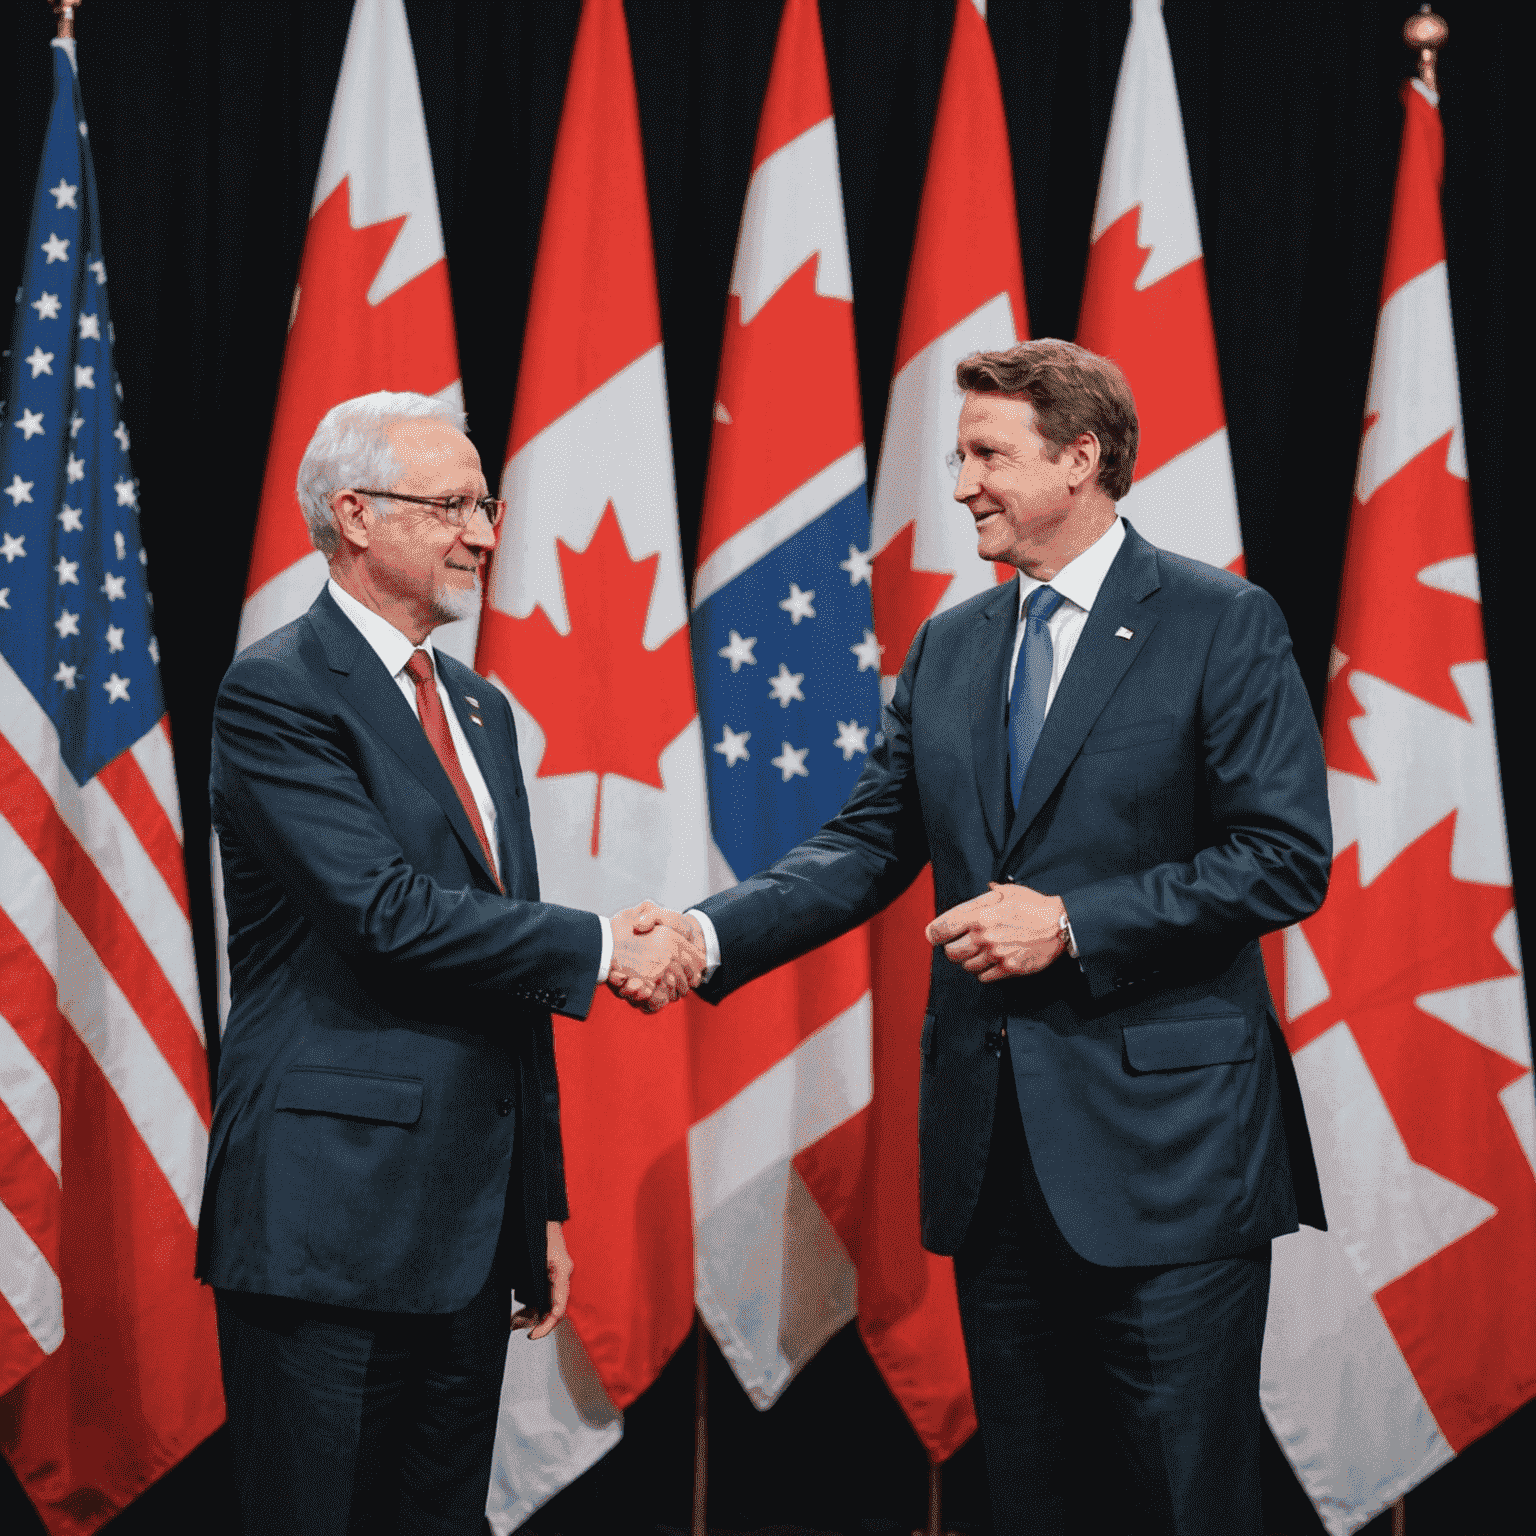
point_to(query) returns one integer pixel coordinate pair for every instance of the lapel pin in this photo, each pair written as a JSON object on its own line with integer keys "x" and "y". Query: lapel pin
{"x": 478, "y": 721}
{"x": 1123, "y": 633}
{"x": 472, "y": 701}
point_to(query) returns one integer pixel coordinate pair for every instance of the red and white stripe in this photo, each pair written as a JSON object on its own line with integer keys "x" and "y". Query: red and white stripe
{"x": 782, "y": 1069}
{"x": 104, "y": 1125}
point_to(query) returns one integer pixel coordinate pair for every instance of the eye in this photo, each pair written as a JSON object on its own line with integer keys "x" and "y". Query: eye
{"x": 457, "y": 506}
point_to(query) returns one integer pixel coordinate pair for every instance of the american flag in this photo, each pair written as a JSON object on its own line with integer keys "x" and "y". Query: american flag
{"x": 787, "y": 668}
{"x": 108, "y": 1360}
{"x": 789, "y": 675}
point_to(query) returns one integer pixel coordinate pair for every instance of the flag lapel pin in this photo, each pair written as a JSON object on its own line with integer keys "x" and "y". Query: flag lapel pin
{"x": 1123, "y": 633}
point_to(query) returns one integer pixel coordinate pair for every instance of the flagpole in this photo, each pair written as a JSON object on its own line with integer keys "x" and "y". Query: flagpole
{"x": 700, "y": 1428}
{"x": 935, "y": 1526}
{"x": 65, "y": 11}
{"x": 1425, "y": 33}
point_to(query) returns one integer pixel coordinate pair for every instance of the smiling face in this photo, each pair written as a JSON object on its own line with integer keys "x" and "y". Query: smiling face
{"x": 1020, "y": 489}
{"x": 408, "y": 564}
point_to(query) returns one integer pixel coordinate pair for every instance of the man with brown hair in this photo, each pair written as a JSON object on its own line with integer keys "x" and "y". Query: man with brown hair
{"x": 1114, "y": 768}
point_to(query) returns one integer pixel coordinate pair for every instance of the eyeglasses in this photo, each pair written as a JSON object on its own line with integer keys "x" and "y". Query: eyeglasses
{"x": 456, "y": 511}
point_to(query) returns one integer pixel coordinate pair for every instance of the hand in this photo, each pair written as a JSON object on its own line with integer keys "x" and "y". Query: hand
{"x": 1010, "y": 931}
{"x": 658, "y": 956}
{"x": 558, "y": 1259}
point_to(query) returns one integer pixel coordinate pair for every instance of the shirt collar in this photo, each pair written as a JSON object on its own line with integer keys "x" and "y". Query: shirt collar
{"x": 1079, "y": 579}
{"x": 391, "y": 646}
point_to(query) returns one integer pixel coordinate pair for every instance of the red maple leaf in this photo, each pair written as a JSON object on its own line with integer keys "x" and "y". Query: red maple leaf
{"x": 790, "y": 391}
{"x": 605, "y": 703}
{"x": 1161, "y": 336}
{"x": 1416, "y": 929}
{"x": 903, "y": 597}
{"x": 340, "y": 346}
{"x": 1390, "y": 624}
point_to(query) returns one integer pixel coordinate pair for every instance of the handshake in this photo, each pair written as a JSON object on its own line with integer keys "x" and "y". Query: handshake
{"x": 1007, "y": 932}
{"x": 658, "y": 956}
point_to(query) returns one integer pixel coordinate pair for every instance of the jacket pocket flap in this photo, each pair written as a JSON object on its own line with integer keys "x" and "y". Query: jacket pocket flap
{"x": 1129, "y": 733}
{"x": 358, "y": 1095}
{"x": 1165, "y": 1045}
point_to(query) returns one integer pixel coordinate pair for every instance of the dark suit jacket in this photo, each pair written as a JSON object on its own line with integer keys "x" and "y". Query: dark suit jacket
{"x": 1177, "y": 803}
{"x": 388, "y": 1068}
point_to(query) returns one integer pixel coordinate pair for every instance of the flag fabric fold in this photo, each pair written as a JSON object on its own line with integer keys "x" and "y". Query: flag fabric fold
{"x": 1405, "y": 1332}
{"x": 108, "y": 1354}
{"x": 585, "y": 629}
{"x": 787, "y": 668}
{"x": 964, "y": 294}
{"x": 1145, "y": 305}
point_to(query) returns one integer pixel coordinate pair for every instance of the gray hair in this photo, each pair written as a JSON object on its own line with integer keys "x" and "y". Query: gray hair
{"x": 351, "y": 446}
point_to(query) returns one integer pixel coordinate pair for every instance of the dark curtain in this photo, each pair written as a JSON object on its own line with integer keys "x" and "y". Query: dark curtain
{"x": 207, "y": 122}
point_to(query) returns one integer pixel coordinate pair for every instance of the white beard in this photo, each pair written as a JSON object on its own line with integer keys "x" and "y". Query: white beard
{"x": 453, "y": 603}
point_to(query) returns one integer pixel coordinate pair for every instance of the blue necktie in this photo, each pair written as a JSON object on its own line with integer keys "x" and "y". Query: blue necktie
{"x": 1031, "y": 686}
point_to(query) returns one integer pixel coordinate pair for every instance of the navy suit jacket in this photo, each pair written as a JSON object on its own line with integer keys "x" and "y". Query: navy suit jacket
{"x": 1177, "y": 803}
{"x": 388, "y": 1067}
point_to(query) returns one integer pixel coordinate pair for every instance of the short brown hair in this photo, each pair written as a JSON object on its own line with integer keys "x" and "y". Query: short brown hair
{"x": 1073, "y": 391}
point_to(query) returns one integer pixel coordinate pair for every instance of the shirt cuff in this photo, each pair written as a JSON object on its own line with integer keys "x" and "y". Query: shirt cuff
{"x": 1066, "y": 933}
{"x": 711, "y": 942}
{"x": 605, "y": 960}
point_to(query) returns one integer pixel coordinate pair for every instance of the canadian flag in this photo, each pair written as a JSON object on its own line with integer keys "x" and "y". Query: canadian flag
{"x": 585, "y": 629}
{"x": 1407, "y": 1330}
{"x": 965, "y": 293}
{"x": 788, "y": 668}
{"x": 371, "y": 311}
{"x": 1145, "y": 306}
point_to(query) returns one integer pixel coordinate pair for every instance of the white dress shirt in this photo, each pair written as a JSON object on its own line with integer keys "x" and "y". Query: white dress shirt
{"x": 1078, "y": 581}
{"x": 394, "y": 649}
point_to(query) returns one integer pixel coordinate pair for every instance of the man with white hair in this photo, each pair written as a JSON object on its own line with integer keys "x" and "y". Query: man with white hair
{"x": 384, "y": 1167}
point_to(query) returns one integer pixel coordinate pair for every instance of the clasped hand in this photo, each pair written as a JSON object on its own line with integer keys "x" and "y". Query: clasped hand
{"x": 1009, "y": 931}
{"x": 658, "y": 956}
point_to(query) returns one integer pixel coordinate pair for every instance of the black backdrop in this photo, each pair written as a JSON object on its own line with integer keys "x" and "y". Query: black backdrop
{"x": 207, "y": 122}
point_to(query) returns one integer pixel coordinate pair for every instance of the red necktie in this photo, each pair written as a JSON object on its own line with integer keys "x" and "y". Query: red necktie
{"x": 435, "y": 723}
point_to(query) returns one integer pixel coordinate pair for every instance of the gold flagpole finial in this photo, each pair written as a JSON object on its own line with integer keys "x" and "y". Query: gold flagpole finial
{"x": 1427, "y": 33}
{"x": 65, "y": 11}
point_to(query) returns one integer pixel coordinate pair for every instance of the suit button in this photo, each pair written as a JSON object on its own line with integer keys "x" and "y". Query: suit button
{"x": 503, "y": 1106}
{"x": 993, "y": 1041}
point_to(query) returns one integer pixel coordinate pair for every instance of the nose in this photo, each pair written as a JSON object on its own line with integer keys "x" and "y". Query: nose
{"x": 967, "y": 482}
{"x": 477, "y": 533}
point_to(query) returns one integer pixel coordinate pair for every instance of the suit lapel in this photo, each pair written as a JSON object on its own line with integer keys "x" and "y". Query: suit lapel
{"x": 1100, "y": 660}
{"x": 991, "y": 651}
{"x": 366, "y": 685}
{"x": 493, "y": 764}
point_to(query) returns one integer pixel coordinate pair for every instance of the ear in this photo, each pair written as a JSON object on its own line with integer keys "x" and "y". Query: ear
{"x": 352, "y": 517}
{"x": 1083, "y": 459}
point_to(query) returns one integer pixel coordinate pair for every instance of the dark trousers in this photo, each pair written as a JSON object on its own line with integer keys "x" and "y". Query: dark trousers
{"x": 346, "y": 1421}
{"x": 1110, "y": 1400}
